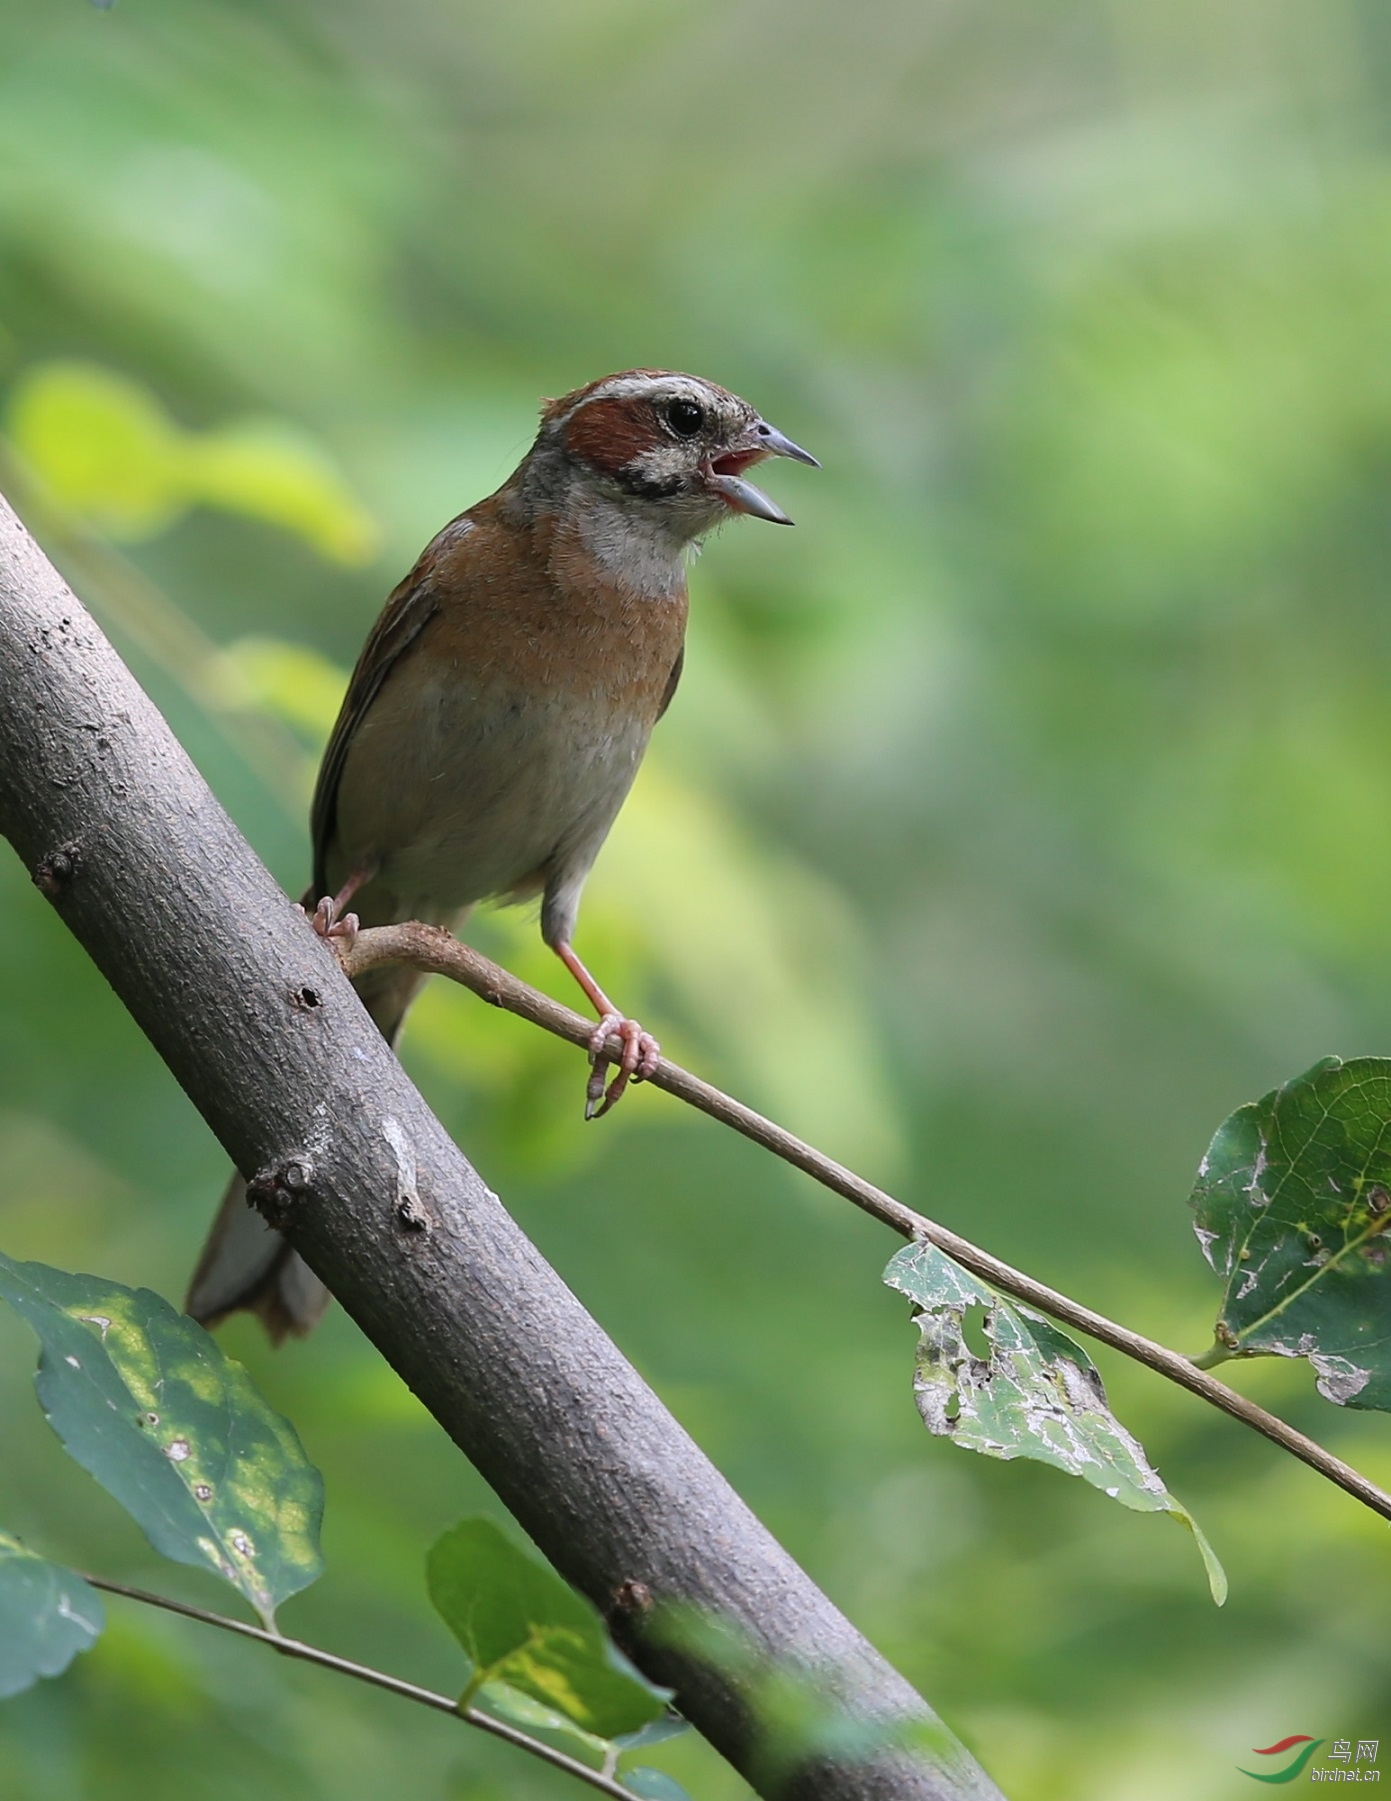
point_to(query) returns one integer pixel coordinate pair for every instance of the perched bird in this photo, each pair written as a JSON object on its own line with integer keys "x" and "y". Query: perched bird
{"x": 497, "y": 716}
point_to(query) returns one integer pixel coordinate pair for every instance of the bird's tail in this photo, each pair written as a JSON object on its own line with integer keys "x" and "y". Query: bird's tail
{"x": 246, "y": 1265}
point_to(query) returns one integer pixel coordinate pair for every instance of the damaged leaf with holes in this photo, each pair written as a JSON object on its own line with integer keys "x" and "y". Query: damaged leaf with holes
{"x": 1293, "y": 1210}
{"x": 47, "y": 1615}
{"x": 1031, "y": 1392}
{"x": 143, "y": 1399}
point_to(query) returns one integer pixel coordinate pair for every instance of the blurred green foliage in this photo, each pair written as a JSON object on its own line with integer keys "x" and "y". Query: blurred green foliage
{"x": 104, "y": 448}
{"x": 1020, "y": 814}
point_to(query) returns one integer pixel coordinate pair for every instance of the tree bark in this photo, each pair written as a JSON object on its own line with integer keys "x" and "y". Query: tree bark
{"x": 267, "y": 1037}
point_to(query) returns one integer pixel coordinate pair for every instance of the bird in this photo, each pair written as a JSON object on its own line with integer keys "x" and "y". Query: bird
{"x": 496, "y": 718}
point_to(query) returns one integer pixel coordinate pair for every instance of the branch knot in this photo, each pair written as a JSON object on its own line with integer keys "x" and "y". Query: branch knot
{"x": 53, "y": 872}
{"x": 277, "y": 1189}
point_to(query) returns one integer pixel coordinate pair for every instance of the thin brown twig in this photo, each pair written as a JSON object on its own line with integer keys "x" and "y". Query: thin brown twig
{"x": 361, "y": 1672}
{"x": 433, "y": 949}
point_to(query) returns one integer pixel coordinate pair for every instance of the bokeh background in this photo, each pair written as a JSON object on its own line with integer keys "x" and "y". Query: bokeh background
{"x": 1021, "y": 813}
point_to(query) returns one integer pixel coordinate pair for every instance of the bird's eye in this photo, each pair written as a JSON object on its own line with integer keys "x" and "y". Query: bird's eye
{"x": 685, "y": 418}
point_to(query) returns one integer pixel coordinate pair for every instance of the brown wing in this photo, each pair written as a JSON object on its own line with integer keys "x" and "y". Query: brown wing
{"x": 672, "y": 680}
{"x": 407, "y": 612}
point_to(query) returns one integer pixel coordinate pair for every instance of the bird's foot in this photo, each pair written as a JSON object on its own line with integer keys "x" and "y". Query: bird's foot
{"x": 331, "y": 918}
{"x": 636, "y": 1063}
{"x": 329, "y": 923}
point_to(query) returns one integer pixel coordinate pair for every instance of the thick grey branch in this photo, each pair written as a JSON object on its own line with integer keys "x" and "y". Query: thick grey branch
{"x": 256, "y": 1020}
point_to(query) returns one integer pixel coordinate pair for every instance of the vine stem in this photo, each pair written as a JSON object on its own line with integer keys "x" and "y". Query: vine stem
{"x": 438, "y": 952}
{"x": 361, "y": 1672}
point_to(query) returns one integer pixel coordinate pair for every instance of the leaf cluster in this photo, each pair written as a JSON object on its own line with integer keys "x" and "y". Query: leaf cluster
{"x": 146, "y": 1401}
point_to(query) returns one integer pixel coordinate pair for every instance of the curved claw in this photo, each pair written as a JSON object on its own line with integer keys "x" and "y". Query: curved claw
{"x": 327, "y": 924}
{"x": 637, "y": 1061}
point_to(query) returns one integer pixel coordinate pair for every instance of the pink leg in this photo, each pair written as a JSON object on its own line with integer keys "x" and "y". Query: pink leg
{"x": 329, "y": 919}
{"x": 640, "y": 1054}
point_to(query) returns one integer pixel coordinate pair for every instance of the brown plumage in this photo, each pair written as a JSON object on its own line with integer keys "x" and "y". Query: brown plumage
{"x": 499, "y": 712}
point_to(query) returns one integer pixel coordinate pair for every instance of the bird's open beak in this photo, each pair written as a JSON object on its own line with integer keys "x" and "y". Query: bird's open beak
{"x": 726, "y": 475}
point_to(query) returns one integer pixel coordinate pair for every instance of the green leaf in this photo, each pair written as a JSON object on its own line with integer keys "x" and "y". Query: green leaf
{"x": 1293, "y": 1206}
{"x": 521, "y": 1625}
{"x": 656, "y": 1732}
{"x": 1034, "y": 1393}
{"x": 653, "y": 1785}
{"x": 47, "y": 1615}
{"x": 104, "y": 447}
{"x": 144, "y": 1399}
{"x": 538, "y": 1721}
